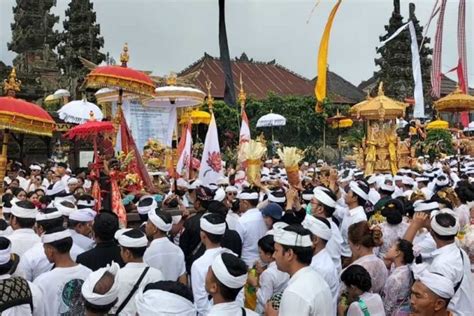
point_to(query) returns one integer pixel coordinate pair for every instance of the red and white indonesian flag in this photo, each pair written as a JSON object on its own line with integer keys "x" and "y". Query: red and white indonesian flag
{"x": 211, "y": 163}
{"x": 185, "y": 157}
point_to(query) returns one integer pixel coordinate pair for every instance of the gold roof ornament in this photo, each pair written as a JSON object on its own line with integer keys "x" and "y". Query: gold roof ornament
{"x": 171, "y": 79}
{"x": 124, "y": 57}
{"x": 456, "y": 101}
{"x": 12, "y": 84}
{"x": 242, "y": 94}
{"x": 380, "y": 107}
{"x": 210, "y": 99}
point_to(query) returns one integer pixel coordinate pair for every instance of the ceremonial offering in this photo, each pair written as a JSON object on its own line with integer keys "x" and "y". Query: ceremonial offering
{"x": 291, "y": 156}
{"x": 253, "y": 152}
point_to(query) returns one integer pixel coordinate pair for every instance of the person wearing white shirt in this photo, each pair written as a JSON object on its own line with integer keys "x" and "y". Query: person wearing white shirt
{"x": 34, "y": 261}
{"x": 136, "y": 274}
{"x": 359, "y": 300}
{"x": 212, "y": 231}
{"x": 374, "y": 195}
{"x": 61, "y": 286}
{"x": 162, "y": 254}
{"x": 355, "y": 200}
{"x": 271, "y": 280}
{"x": 22, "y": 220}
{"x": 23, "y": 297}
{"x": 323, "y": 204}
{"x": 100, "y": 290}
{"x": 422, "y": 184}
{"x": 251, "y": 226}
{"x": 321, "y": 261}
{"x": 448, "y": 259}
{"x": 307, "y": 294}
{"x": 80, "y": 225}
{"x": 225, "y": 278}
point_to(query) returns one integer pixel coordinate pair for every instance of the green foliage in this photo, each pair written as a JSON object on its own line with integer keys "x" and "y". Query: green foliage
{"x": 313, "y": 153}
{"x": 438, "y": 141}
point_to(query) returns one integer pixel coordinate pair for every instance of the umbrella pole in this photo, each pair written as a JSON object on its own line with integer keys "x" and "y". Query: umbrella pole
{"x": 3, "y": 158}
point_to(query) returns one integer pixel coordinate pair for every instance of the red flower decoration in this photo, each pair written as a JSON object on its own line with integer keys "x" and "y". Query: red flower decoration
{"x": 214, "y": 161}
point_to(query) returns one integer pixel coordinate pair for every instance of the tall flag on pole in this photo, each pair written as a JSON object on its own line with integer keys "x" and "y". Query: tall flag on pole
{"x": 211, "y": 163}
{"x": 320, "y": 88}
{"x": 185, "y": 156}
{"x": 244, "y": 136}
{"x": 462, "y": 65}
{"x": 437, "y": 52}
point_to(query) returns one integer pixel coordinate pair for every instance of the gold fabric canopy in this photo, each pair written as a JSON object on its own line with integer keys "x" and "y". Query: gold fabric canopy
{"x": 381, "y": 107}
{"x": 197, "y": 117}
{"x": 438, "y": 124}
{"x": 456, "y": 101}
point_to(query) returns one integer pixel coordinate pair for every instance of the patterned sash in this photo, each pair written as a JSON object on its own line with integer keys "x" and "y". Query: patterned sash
{"x": 15, "y": 291}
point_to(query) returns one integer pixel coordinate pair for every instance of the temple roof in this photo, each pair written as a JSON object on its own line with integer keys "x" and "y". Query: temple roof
{"x": 259, "y": 78}
{"x": 343, "y": 88}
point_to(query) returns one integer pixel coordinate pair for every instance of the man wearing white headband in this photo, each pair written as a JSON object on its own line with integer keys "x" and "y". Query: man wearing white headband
{"x": 162, "y": 254}
{"x": 448, "y": 259}
{"x": 323, "y": 204}
{"x": 251, "y": 226}
{"x": 80, "y": 226}
{"x": 34, "y": 261}
{"x": 17, "y": 295}
{"x": 322, "y": 263}
{"x": 422, "y": 183}
{"x": 213, "y": 227}
{"x": 22, "y": 221}
{"x": 307, "y": 293}
{"x": 356, "y": 198}
{"x": 100, "y": 290}
{"x": 430, "y": 294}
{"x": 225, "y": 278}
{"x": 146, "y": 204}
{"x": 135, "y": 274}
{"x": 85, "y": 201}
{"x": 61, "y": 286}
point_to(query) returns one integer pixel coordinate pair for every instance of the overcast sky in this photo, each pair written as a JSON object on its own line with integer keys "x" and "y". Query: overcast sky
{"x": 169, "y": 35}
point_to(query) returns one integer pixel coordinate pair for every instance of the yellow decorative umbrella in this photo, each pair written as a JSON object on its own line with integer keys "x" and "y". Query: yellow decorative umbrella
{"x": 381, "y": 107}
{"x": 196, "y": 116}
{"x": 438, "y": 124}
{"x": 344, "y": 123}
{"x": 456, "y": 101}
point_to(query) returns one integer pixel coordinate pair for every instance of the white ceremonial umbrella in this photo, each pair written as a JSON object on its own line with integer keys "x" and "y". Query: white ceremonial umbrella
{"x": 470, "y": 127}
{"x": 271, "y": 120}
{"x": 61, "y": 93}
{"x": 176, "y": 96}
{"x": 79, "y": 111}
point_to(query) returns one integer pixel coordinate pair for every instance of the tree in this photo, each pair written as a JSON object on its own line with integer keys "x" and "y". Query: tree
{"x": 81, "y": 38}
{"x": 229, "y": 92}
{"x": 395, "y": 61}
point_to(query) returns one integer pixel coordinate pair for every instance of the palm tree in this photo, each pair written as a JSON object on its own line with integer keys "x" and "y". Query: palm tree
{"x": 229, "y": 92}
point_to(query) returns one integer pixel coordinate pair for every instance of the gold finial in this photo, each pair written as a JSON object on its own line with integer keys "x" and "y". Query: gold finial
{"x": 171, "y": 79}
{"x": 11, "y": 85}
{"x": 381, "y": 92}
{"x": 210, "y": 99}
{"x": 124, "y": 57}
{"x": 242, "y": 94}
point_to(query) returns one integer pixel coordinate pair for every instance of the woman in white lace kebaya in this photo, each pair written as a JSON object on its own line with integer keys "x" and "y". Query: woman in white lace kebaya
{"x": 394, "y": 228}
{"x": 362, "y": 241}
{"x": 396, "y": 292}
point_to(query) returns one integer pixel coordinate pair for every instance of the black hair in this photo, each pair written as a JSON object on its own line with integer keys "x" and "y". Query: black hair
{"x": 267, "y": 244}
{"x": 166, "y": 217}
{"x": 30, "y": 194}
{"x": 6, "y": 199}
{"x": 464, "y": 193}
{"x": 137, "y": 252}
{"x": 99, "y": 309}
{"x": 303, "y": 254}
{"x": 393, "y": 211}
{"x": 49, "y": 224}
{"x": 23, "y": 222}
{"x": 236, "y": 267}
{"x": 253, "y": 202}
{"x": 217, "y": 207}
{"x": 171, "y": 287}
{"x": 105, "y": 225}
{"x": 4, "y": 244}
{"x": 16, "y": 191}
{"x": 26, "y": 204}
{"x": 445, "y": 202}
{"x": 357, "y": 276}
{"x": 63, "y": 245}
{"x": 444, "y": 220}
{"x": 85, "y": 197}
{"x": 214, "y": 218}
{"x": 406, "y": 248}
{"x": 365, "y": 188}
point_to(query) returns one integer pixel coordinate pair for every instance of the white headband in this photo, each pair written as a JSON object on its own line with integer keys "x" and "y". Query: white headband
{"x": 216, "y": 229}
{"x": 5, "y": 254}
{"x": 66, "y": 211}
{"x": 158, "y": 222}
{"x": 146, "y": 209}
{"x": 291, "y": 239}
{"x": 247, "y": 196}
{"x": 83, "y": 215}
{"x": 354, "y": 186}
{"x": 307, "y": 196}
{"x": 437, "y": 283}
{"x": 87, "y": 289}
{"x": 6, "y": 210}
{"x": 21, "y": 212}
{"x": 442, "y": 182}
{"x": 317, "y": 227}
{"x": 386, "y": 187}
{"x": 422, "y": 179}
{"x": 130, "y": 242}
{"x": 35, "y": 167}
{"x": 48, "y": 238}
{"x": 159, "y": 302}
{"x": 275, "y": 199}
{"x": 47, "y": 216}
{"x": 423, "y": 206}
{"x": 220, "y": 271}
{"x": 86, "y": 203}
{"x": 324, "y": 198}
{"x": 444, "y": 231}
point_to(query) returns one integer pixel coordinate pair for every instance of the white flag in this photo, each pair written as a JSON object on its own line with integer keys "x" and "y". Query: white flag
{"x": 184, "y": 161}
{"x": 244, "y": 129}
{"x": 211, "y": 163}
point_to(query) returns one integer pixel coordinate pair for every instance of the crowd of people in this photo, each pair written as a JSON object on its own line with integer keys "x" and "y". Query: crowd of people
{"x": 341, "y": 243}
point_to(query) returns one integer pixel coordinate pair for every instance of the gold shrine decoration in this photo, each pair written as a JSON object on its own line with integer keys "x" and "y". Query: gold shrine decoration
{"x": 12, "y": 84}
{"x": 456, "y": 101}
{"x": 242, "y": 94}
{"x": 437, "y": 124}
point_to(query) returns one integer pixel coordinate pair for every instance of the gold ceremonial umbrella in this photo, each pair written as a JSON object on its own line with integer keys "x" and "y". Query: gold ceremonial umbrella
{"x": 456, "y": 101}
{"x": 196, "y": 116}
{"x": 438, "y": 124}
{"x": 379, "y": 108}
